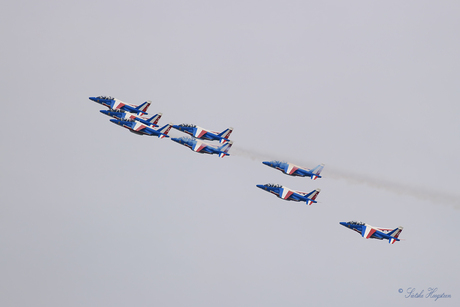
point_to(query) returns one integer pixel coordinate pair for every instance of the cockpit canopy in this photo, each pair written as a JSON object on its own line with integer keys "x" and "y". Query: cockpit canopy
{"x": 355, "y": 223}
{"x": 274, "y": 185}
{"x": 105, "y": 97}
{"x": 186, "y": 139}
{"x": 188, "y": 125}
{"x": 276, "y": 163}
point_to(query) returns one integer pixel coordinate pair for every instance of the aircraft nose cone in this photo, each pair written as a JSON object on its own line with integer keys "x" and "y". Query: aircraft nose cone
{"x": 93, "y": 98}
{"x": 175, "y": 140}
{"x": 115, "y": 121}
{"x": 176, "y": 127}
{"x": 260, "y": 186}
{"x": 343, "y": 224}
{"x": 266, "y": 163}
{"x": 104, "y": 112}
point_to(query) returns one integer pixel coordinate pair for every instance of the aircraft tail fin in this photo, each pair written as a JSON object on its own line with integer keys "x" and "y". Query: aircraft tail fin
{"x": 395, "y": 234}
{"x": 311, "y": 197}
{"x": 224, "y": 149}
{"x": 225, "y": 134}
{"x": 317, "y": 171}
{"x": 143, "y": 107}
{"x": 164, "y": 131}
{"x": 155, "y": 118}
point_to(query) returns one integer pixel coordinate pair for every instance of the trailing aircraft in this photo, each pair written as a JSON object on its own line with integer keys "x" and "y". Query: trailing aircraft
{"x": 288, "y": 194}
{"x": 116, "y": 104}
{"x": 203, "y": 134}
{"x": 122, "y": 115}
{"x": 204, "y": 148}
{"x": 137, "y": 127}
{"x": 295, "y": 170}
{"x": 370, "y": 232}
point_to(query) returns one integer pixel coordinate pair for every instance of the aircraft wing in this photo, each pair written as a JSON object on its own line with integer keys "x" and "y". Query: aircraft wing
{"x": 290, "y": 168}
{"x": 285, "y": 193}
{"x": 367, "y": 232}
{"x": 117, "y": 105}
{"x": 199, "y": 132}
{"x": 139, "y": 126}
{"x": 198, "y": 146}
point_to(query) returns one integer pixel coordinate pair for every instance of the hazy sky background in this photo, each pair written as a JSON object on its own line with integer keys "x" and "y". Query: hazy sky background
{"x": 92, "y": 215}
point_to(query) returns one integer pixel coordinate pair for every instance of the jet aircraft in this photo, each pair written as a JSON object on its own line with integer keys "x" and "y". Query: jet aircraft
{"x": 122, "y": 115}
{"x": 204, "y": 148}
{"x": 137, "y": 127}
{"x": 288, "y": 194}
{"x": 371, "y": 232}
{"x": 116, "y": 104}
{"x": 295, "y": 170}
{"x": 204, "y": 134}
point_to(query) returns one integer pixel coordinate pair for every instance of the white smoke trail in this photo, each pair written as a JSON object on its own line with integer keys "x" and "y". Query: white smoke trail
{"x": 245, "y": 153}
{"x": 398, "y": 188}
{"x": 431, "y": 195}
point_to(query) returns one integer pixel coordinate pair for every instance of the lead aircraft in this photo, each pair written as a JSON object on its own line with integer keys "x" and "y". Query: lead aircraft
{"x": 295, "y": 170}
{"x": 370, "y": 232}
{"x": 137, "y": 127}
{"x": 116, "y": 104}
{"x": 288, "y": 194}
{"x": 204, "y": 134}
{"x": 202, "y": 147}
{"x": 122, "y": 115}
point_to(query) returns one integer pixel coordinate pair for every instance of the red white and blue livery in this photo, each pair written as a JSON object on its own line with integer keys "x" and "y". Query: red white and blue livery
{"x": 204, "y": 148}
{"x": 371, "y": 232}
{"x": 126, "y": 116}
{"x": 288, "y": 194}
{"x": 117, "y": 104}
{"x": 204, "y": 134}
{"x": 139, "y": 128}
{"x": 295, "y": 170}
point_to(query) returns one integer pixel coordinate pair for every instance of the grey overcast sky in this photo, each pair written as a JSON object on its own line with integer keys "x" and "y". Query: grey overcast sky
{"x": 92, "y": 215}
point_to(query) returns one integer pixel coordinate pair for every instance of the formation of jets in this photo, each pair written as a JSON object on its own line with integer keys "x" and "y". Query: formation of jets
{"x": 293, "y": 170}
{"x": 135, "y": 119}
{"x": 367, "y": 231}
